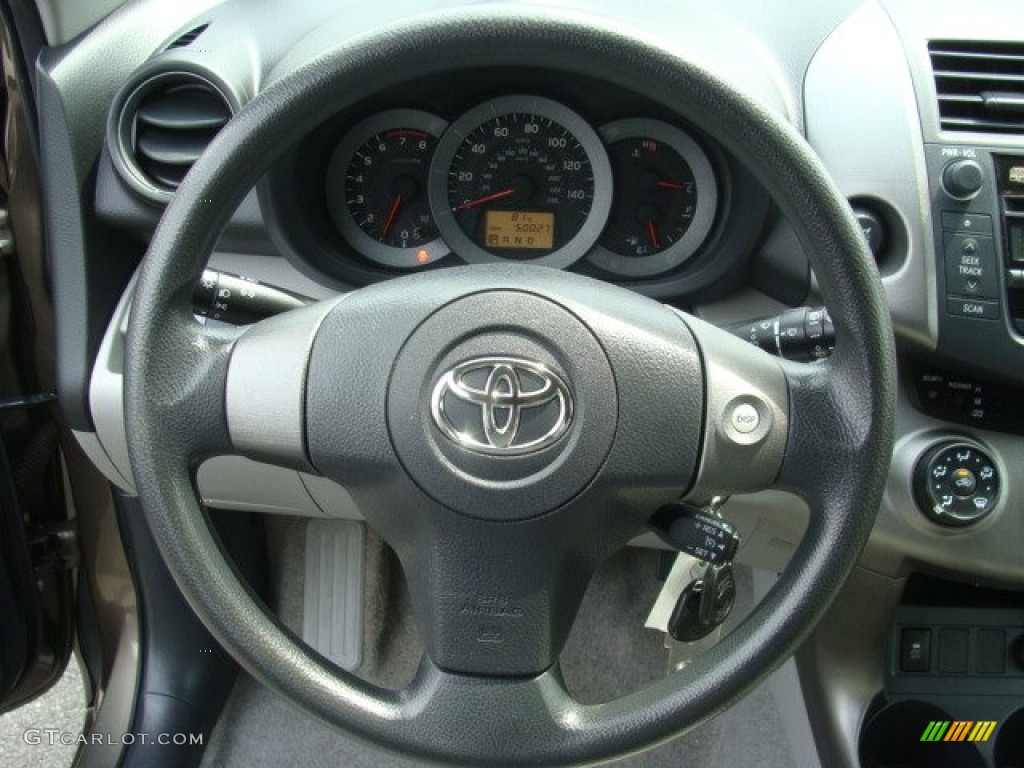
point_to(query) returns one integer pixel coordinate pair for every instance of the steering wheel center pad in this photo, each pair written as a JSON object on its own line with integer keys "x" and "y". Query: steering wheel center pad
{"x": 498, "y": 542}
{"x": 629, "y": 368}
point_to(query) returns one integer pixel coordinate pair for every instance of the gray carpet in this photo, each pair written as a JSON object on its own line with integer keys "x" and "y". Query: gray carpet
{"x": 609, "y": 653}
{"x": 61, "y": 709}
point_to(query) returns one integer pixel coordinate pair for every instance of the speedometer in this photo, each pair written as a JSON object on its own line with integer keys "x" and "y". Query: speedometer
{"x": 520, "y": 178}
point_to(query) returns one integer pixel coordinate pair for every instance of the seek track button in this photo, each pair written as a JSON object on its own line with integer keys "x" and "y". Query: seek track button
{"x": 970, "y": 266}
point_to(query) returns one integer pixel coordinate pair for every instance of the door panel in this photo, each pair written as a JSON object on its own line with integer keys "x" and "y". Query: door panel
{"x": 37, "y": 539}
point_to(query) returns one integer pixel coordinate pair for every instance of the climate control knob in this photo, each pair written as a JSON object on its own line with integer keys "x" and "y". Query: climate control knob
{"x": 956, "y": 483}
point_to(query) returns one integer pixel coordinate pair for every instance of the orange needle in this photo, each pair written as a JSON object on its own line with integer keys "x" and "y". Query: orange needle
{"x": 652, "y": 234}
{"x": 485, "y": 199}
{"x": 395, "y": 205}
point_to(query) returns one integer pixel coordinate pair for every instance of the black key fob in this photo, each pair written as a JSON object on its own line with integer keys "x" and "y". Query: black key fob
{"x": 685, "y": 625}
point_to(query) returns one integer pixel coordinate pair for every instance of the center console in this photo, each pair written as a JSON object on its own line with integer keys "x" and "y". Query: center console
{"x": 953, "y": 692}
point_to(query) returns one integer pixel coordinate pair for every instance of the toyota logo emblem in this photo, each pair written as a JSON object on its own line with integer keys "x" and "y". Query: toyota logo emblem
{"x": 501, "y": 406}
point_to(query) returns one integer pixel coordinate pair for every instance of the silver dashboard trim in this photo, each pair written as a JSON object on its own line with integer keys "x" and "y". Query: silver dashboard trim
{"x": 870, "y": 140}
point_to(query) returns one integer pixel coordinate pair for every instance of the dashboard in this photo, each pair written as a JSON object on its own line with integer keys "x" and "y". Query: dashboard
{"x": 546, "y": 168}
{"x": 913, "y": 108}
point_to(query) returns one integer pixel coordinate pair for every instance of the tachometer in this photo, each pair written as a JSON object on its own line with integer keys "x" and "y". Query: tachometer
{"x": 377, "y": 188}
{"x": 523, "y": 178}
{"x": 665, "y": 199}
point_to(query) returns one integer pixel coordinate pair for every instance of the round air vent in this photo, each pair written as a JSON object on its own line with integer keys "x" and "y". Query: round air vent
{"x": 163, "y": 127}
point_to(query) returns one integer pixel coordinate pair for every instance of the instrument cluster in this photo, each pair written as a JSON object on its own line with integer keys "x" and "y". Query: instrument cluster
{"x": 521, "y": 178}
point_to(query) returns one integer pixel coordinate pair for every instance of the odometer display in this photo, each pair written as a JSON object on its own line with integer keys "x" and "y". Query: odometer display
{"x": 521, "y": 178}
{"x": 519, "y": 229}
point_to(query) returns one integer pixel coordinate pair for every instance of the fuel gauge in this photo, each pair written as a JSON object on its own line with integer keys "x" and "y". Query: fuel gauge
{"x": 663, "y": 203}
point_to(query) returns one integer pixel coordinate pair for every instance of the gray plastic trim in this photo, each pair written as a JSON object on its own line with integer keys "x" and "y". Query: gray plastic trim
{"x": 841, "y": 664}
{"x": 235, "y": 482}
{"x": 265, "y": 397}
{"x": 63, "y": 20}
{"x": 332, "y": 616}
{"x": 988, "y": 551}
{"x": 93, "y": 448}
{"x": 738, "y": 373}
{"x": 333, "y": 499}
{"x": 862, "y": 119}
{"x": 784, "y": 686}
{"x": 771, "y": 525}
{"x": 106, "y": 393}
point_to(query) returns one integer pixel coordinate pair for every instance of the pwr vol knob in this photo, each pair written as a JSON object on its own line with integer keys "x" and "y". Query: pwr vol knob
{"x": 963, "y": 179}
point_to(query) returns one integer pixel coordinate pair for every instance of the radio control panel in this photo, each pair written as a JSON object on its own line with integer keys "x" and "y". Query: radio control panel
{"x": 978, "y": 221}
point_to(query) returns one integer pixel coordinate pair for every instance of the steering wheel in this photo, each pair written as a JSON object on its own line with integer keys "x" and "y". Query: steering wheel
{"x": 638, "y": 410}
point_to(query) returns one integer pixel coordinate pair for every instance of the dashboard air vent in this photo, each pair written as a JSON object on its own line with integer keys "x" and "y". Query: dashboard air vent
{"x": 980, "y": 85}
{"x": 167, "y": 123}
{"x": 188, "y": 38}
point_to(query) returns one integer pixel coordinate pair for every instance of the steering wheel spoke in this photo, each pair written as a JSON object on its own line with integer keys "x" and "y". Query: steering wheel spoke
{"x": 265, "y": 386}
{"x": 772, "y": 423}
{"x": 830, "y": 431}
{"x": 499, "y": 600}
{"x": 746, "y": 415}
{"x": 514, "y": 716}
